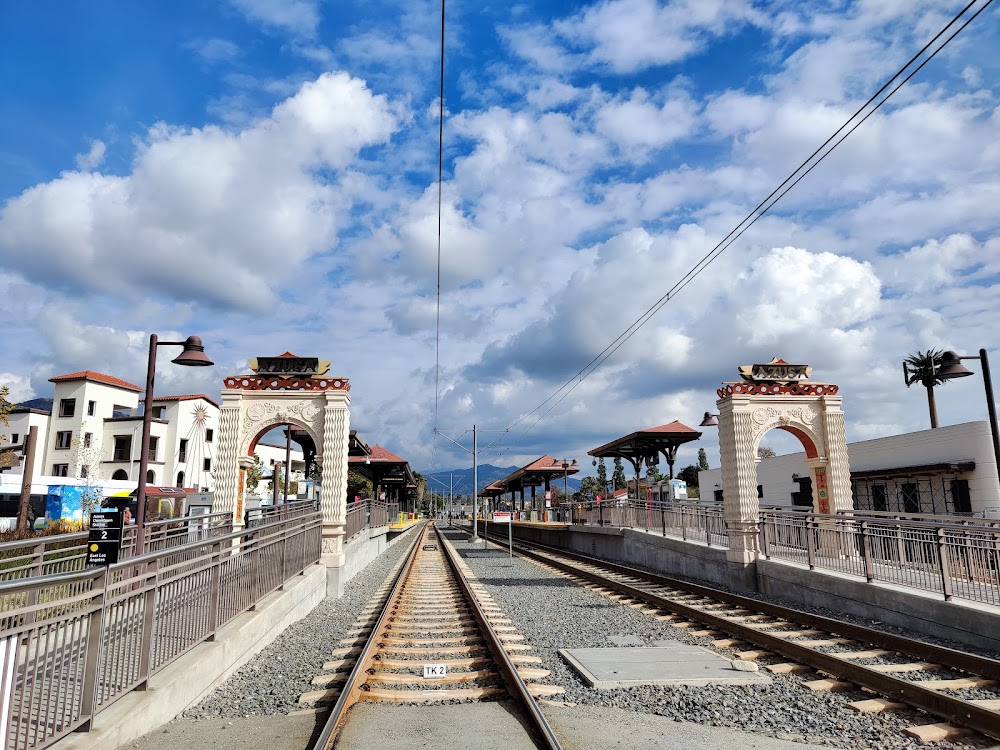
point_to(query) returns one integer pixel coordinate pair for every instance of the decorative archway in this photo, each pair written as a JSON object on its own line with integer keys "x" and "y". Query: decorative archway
{"x": 778, "y": 395}
{"x": 287, "y": 390}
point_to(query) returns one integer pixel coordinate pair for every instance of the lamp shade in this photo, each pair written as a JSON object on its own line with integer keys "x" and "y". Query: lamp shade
{"x": 952, "y": 367}
{"x": 193, "y": 354}
{"x": 709, "y": 420}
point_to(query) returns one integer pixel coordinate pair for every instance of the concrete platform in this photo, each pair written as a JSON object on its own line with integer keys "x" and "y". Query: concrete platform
{"x": 673, "y": 664}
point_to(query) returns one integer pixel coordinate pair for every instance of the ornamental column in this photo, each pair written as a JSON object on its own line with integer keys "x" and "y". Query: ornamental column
{"x": 739, "y": 470}
{"x": 333, "y": 492}
{"x": 227, "y": 468}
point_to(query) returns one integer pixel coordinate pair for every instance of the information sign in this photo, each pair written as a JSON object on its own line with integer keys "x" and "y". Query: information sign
{"x": 501, "y": 516}
{"x": 435, "y": 670}
{"x": 105, "y": 537}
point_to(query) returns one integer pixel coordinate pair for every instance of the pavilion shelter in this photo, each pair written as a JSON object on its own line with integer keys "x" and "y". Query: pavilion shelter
{"x": 387, "y": 472}
{"x": 646, "y": 447}
{"x": 492, "y": 493}
{"x": 539, "y": 473}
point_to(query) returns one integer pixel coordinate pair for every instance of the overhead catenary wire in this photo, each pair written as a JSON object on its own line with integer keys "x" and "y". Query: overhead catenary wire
{"x": 810, "y": 163}
{"x": 437, "y": 323}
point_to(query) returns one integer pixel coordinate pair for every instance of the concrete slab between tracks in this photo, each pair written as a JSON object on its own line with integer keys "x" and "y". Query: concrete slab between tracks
{"x": 185, "y": 681}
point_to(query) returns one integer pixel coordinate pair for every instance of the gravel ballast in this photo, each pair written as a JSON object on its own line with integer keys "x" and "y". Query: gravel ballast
{"x": 554, "y": 613}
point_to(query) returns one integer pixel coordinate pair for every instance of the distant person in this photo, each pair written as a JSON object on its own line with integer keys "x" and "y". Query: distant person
{"x": 128, "y": 515}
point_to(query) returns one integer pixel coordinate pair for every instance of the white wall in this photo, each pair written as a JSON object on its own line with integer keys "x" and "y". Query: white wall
{"x": 954, "y": 443}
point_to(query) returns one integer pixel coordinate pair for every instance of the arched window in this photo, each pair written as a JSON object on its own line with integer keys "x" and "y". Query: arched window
{"x": 120, "y": 475}
{"x": 150, "y": 477}
{"x": 180, "y": 478}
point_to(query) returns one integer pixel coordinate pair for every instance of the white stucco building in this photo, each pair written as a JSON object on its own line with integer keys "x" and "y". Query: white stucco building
{"x": 948, "y": 470}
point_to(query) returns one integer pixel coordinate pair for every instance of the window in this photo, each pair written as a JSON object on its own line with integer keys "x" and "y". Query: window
{"x": 718, "y": 496}
{"x": 67, "y": 407}
{"x": 960, "y": 495}
{"x": 208, "y": 436}
{"x": 880, "y": 499}
{"x": 13, "y": 437}
{"x": 159, "y": 412}
{"x": 760, "y": 492}
{"x": 88, "y": 438}
{"x": 207, "y": 466}
{"x": 911, "y": 498}
{"x": 60, "y": 470}
{"x": 91, "y": 408}
{"x": 182, "y": 454}
{"x": 123, "y": 448}
{"x": 154, "y": 443}
{"x": 121, "y": 475}
{"x": 63, "y": 440}
{"x": 150, "y": 477}
{"x": 180, "y": 478}
{"x": 84, "y": 472}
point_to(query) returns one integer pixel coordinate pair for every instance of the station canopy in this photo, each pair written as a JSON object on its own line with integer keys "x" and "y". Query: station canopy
{"x": 539, "y": 472}
{"x": 646, "y": 446}
{"x": 383, "y": 467}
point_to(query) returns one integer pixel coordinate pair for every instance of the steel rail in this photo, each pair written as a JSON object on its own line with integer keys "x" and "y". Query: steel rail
{"x": 953, "y": 709}
{"x": 515, "y": 684}
{"x": 351, "y": 691}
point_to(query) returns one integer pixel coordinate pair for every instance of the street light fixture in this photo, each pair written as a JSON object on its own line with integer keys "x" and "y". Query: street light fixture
{"x": 709, "y": 420}
{"x": 192, "y": 355}
{"x": 951, "y": 367}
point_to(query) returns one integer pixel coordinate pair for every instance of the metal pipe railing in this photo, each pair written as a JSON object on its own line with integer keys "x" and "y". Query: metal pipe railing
{"x": 75, "y": 642}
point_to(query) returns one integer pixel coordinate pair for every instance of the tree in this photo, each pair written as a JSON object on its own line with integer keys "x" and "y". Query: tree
{"x": 690, "y": 475}
{"x": 254, "y": 473}
{"x": 765, "y": 451}
{"x": 357, "y": 486}
{"x": 619, "y": 476}
{"x": 602, "y": 475}
{"x": 702, "y": 459}
{"x": 87, "y": 459}
{"x": 653, "y": 474}
{"x": 589, "y": 487}
{"x": 5, "y": 407}
{"x": 922, "y": 367}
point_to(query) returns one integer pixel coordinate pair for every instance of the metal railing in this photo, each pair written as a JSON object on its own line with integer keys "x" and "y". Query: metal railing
{"x": 65, "y": 553}
{"x": 956, "y": 559}
{"x": 366, "y": 514}
{"x": 73, "y": 643}
{"x": 689, "y": 521}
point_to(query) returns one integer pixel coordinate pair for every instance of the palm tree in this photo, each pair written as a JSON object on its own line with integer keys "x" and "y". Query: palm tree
{"x": 922, "y": 367}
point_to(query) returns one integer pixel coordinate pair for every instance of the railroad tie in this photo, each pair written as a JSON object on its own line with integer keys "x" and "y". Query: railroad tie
{"x": 937, "y": 732}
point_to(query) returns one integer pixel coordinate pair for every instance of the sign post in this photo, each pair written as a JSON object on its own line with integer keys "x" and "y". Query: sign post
{"x": 105, "y": 537}
{"x": 504, "y": 517}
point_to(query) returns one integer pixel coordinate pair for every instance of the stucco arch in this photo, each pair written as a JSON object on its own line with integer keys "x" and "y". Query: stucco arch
{"x": 751, "y": 408}
{"x": 287, "y": 390}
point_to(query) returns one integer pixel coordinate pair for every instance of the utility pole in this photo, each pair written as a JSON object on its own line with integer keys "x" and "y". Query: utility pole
{"x": 475, "y": 474}
{"x": 26, "y": 473}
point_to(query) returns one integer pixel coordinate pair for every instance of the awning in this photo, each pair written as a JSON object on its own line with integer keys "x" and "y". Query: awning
{"x": 948, "y": 467}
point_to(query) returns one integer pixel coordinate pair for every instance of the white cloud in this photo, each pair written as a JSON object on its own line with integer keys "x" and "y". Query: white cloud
{"x": 298, "y": 17}
{"x": 214, "y": 49}
{"x": 19, "y": 385}
{"x": 92, "y": 159}
{"x": 203, "y": 204}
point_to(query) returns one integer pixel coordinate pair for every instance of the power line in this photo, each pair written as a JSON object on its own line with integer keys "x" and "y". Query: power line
{"x": 810, "y": 163}
{"x": 437, "y": 325}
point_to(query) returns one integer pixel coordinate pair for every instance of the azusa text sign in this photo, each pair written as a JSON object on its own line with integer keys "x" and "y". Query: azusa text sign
{"x": 105, "y": 537}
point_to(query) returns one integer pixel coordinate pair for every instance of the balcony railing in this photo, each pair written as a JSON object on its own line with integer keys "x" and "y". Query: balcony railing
{"x": 366, "y": 514}
{"x": 74, "y": 643}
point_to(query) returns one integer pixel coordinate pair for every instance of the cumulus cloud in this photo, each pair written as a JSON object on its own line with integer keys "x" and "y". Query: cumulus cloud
{"x": 203, "y": 204}
{"x": 298, "y": 17}
{"x": 92, "y": 159}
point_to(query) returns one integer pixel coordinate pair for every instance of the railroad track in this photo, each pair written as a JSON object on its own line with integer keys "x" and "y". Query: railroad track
{"x": 433, "y": 636}
{"x": 903, "y": 671}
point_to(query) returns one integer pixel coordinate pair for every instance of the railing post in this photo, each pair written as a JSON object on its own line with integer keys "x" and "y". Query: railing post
{"x": 215, "y": 591}
{"x": 663, "y": 519}
{"x": 92, "y": 658}
{"x": 148, "y": 621}
{"x": 866, "y": 547}
{"x": 946, "y": 582}
{"x": 762, "y": 525}
{"x": 812, "y": 527}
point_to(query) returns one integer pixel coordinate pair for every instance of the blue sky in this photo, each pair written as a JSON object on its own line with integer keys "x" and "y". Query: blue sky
{"x": 263, "y": 173}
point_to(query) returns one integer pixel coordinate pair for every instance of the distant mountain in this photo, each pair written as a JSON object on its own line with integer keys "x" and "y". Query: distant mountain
{"x": 461, "y": 479}
{"x": 45, "y": 404}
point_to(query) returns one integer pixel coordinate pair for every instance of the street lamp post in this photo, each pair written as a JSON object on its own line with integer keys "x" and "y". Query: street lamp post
{"x": 566, "y": 465}
{"x": 952, "y": 367}
{"x": 192, "y": 355}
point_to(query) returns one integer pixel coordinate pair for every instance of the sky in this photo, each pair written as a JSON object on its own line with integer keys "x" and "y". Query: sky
{"x": 264, "y": 174}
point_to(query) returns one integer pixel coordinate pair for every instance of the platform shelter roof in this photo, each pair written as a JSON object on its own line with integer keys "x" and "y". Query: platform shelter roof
{"x": 536, "y": 473}
{"x": 493, "y": 489}
{"x": 650, "y": 443}
{"x": 383, "y": 467}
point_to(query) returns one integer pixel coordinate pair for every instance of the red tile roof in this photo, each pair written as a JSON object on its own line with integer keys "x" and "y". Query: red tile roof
{"x": 673, "y": 427}
{"x": 96, "y": 377}
{"x": 378, "y": 454}
{"x": 186, "y": 397}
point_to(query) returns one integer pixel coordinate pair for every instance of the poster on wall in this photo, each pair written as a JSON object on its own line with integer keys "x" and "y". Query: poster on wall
{"x": 822, "y": 494}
